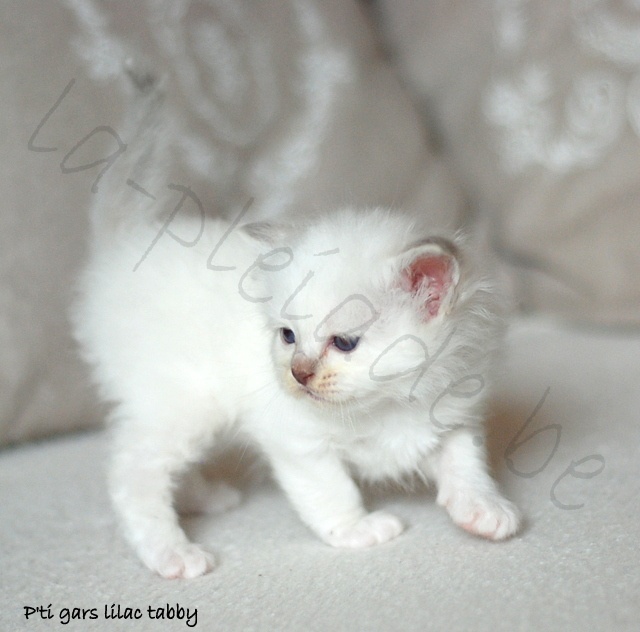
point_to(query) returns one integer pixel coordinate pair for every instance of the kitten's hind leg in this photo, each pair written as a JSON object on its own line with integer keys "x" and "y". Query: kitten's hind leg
{"x": 197, "y": 495}
{"x": 468, "y": 492}
{"x": 147, "y": 459}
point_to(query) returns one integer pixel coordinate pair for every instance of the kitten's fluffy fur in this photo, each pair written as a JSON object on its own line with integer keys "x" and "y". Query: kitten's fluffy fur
{"x": 184, "y": 352}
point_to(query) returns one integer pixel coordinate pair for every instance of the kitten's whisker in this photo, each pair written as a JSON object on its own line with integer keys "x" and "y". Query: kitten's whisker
{"x": 246, "y": 446}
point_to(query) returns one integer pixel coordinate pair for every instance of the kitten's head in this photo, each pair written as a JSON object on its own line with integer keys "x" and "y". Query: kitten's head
{"x": 360, "y": 304}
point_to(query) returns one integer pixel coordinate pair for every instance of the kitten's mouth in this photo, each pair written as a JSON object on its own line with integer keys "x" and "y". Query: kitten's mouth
{"x": 314, "y": 395}
{"x": 305, "y": 391}
{"x": 325, "y": 400}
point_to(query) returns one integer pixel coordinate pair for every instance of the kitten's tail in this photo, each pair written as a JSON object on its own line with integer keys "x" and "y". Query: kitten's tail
{"x": 127, "y": 192}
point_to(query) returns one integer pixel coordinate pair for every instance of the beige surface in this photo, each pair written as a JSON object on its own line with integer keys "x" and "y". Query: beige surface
{"x": 571, "y": 570}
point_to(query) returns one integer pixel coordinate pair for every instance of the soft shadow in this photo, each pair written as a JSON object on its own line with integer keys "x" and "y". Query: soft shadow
{"x": 524, "y": 433}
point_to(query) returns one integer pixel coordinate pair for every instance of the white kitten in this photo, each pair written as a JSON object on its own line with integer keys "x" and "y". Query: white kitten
{"x": 353, "y": 346}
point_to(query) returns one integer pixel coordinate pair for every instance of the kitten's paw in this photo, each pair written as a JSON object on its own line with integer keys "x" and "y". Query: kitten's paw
{"x": 488, "y": 515}
{"x": 185, "y": 561}
{"x": 374, "y": 528}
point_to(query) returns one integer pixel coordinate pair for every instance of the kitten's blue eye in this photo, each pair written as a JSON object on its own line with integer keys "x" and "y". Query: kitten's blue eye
{"x": 345, "y": 343}
{"x": 287, "y": 336}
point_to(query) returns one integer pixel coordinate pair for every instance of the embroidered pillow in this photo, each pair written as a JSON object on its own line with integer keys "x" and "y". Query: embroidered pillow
{"x": 538, "y": 102}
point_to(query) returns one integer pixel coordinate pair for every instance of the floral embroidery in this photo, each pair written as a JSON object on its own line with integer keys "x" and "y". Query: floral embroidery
{"x": 544, "y": 122}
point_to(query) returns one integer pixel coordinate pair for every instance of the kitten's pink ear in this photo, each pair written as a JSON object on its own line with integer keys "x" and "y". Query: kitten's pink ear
{"x": 431, "y": 271}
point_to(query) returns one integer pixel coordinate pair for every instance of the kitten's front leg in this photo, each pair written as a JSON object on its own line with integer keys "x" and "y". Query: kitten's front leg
{"x": 145, "y": 465}
{"x": 468, "y": 492}
{"x": 327, "y": 499}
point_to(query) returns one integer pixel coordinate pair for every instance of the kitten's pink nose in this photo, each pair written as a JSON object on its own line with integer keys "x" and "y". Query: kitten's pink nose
{"x": 303, "y": 369}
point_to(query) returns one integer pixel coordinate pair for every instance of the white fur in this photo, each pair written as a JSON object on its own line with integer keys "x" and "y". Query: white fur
{"x": 184, "y": 352}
